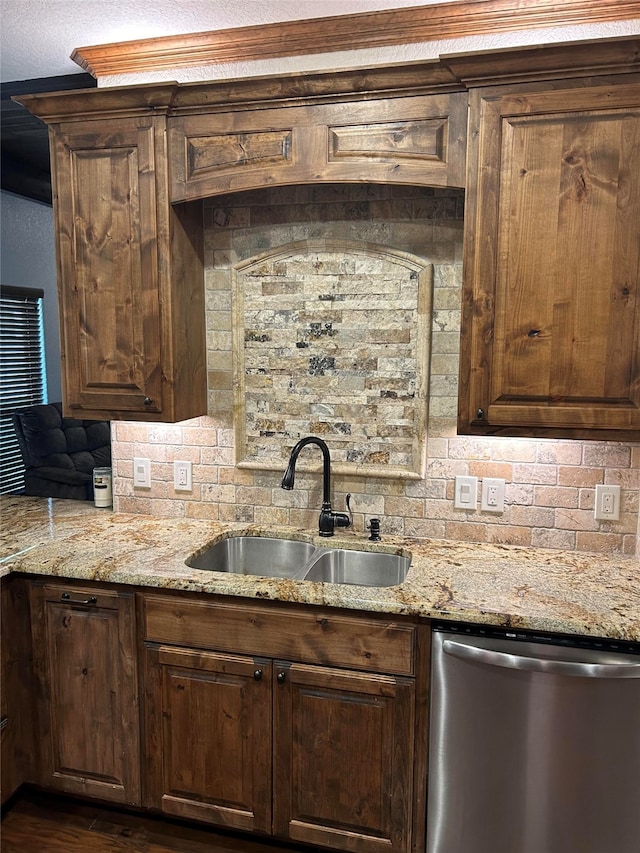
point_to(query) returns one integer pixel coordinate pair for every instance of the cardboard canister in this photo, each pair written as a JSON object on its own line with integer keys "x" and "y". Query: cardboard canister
{"x": 102, "y": 489}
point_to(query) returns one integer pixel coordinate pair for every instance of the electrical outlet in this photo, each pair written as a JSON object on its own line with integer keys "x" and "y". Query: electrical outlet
{"x": 465, "y": 493}
{"x": 182, "y": 476}
{"x": 141, "y": 473}
{"x": 492, "y": 494}
{"x": 607, "y": 506}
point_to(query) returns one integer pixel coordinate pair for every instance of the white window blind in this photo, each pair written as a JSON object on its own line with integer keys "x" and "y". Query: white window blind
{"x": 22, "y": 373}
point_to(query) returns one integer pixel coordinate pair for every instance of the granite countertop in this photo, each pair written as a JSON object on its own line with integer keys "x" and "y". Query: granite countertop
{"x": 535, "y": 588}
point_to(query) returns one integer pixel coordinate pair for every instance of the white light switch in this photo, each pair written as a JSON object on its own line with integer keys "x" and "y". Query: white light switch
{"x": 141, "y": 473}
{"x": 466, "y": 493}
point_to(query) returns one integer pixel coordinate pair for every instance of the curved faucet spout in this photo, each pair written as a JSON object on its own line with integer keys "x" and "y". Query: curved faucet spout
{"x": 328, "y": 518}
{"x": 290, "y": 474}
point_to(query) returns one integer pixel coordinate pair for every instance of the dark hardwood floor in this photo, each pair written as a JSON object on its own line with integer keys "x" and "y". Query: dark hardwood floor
{"x": 34, "y": 822}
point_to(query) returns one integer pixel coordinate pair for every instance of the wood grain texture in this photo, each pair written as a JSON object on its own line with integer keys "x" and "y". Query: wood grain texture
{"x": 214, "y": 738}
{"x": 341, "y": 751}
{"x": 411, "y": 140}
{"x": 129, "y": 275}
{"x": 343, "y": 759}
{"x": 319, "y": 636}
{"x": 86, "y": 673}
{"x": 18, "y": 757}
{"x": 367, "y": 29}
{"x": 551, "y": 317}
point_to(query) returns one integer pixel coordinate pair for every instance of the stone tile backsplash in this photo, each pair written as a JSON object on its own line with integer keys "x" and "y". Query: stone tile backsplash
{"x": 550, "y": 483}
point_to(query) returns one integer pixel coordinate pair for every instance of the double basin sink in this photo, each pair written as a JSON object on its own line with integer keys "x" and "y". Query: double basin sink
{"x": 288, "y": 558}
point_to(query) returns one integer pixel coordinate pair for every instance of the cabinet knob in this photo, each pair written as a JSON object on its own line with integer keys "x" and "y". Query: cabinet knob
{"x": 66, "y": 596}
{"x": 480, "y": 414}
{"x": 147, "y": 401}
{"x": 257, "y": 675}
{"x": 281, "y": 677}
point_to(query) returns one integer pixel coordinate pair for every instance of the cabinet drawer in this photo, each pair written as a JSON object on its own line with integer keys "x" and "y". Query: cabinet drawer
{"x": 312, "y": 636}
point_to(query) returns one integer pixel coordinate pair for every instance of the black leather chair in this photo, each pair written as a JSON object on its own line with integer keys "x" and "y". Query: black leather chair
{"x": 60, "y": 453}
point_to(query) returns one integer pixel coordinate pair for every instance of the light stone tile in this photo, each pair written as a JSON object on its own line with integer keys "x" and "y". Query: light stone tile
{"x": 540, "y": 468}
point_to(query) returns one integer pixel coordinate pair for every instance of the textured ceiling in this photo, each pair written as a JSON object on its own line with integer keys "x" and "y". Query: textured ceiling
{"x": 38, "y": 36}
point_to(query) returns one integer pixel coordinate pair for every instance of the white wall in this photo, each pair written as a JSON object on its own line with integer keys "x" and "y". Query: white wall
{"x": 28, "y": 260}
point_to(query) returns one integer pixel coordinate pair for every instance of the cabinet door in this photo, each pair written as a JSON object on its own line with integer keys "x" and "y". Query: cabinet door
{"x": 85, "y": 662}
{"x": 105, "y": 202}
{"x": 343, "y": 758}
{"x": 551, "y": 316}
{"x": 208, "y": 729}
{"x": 16, "y": 688}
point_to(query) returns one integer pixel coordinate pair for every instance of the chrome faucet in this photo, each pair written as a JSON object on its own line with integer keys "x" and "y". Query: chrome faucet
{"x": 328, "y": 518}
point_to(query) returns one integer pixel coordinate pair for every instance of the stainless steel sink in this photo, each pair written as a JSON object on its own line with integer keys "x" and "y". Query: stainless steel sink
{"x": 254, "y": 555}
{"x": 288, "y": 558}
{"x": 366, "y": 568}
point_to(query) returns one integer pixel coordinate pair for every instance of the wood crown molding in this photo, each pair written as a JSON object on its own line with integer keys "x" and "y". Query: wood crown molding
{"x": 452, "y": 73}
{"x": 365, "y": 30}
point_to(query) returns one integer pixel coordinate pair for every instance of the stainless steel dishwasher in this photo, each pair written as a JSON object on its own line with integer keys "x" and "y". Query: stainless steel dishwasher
{"x": 534, "y": 743}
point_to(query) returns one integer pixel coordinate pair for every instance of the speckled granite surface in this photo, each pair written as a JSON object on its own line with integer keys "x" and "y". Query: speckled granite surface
{"x": 543, "y": 589}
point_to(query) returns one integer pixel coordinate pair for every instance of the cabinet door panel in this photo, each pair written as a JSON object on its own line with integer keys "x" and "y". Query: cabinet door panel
{"x": 215, "y": 738}
{"x": 108, "y": 257}
{"x": 552, "y": 328}
{"x": 343, "y": 758}
{"x": 411, "y": 140}
{"x": 86, "y": 666}
{"x": 16, "y": 686}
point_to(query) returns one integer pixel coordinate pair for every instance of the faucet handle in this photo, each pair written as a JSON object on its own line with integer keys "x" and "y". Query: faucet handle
{"x": 347, "y": 501}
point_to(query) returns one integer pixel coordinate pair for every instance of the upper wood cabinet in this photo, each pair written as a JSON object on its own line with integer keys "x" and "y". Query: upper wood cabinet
{"x": 419, "y": 140}
{"x": 551, "y": 315}
{"x": 551, "y": 310}
{"x": 130, "y": 275}
{"x": 130, "y": 265}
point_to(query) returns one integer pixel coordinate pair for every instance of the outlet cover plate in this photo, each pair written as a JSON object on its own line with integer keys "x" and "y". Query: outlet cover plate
{"x": 492, "y": 494}
{"x": 607, "y": 507}
{"x": 182, "y": 476}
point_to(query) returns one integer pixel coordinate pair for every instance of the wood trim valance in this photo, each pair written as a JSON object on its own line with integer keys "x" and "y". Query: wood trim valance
{"x": 365, "y": 30}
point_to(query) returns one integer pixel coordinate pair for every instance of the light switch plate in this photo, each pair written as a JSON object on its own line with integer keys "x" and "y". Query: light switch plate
{"x": 466, "y": 493}
{"x": 141, "y": 473}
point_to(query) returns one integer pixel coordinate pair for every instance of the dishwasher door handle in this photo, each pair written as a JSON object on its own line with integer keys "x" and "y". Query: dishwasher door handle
{"x": 553, "y": 667}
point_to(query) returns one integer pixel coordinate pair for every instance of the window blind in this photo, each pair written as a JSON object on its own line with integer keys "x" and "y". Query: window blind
{"x": 22, "y": 373}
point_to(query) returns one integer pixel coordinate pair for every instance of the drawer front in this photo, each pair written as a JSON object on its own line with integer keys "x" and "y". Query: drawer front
{"x": 314, "y": 636}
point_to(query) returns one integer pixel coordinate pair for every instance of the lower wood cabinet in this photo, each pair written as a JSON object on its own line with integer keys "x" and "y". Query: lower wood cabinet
{"x": 343, "y": 758}
{"x": 16, "y": 691}
{"x": 311, "y": 753}
{"x": 302, "y": 723}
{"x": 209, "y": 732}
{"x": 86, "y": 690}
